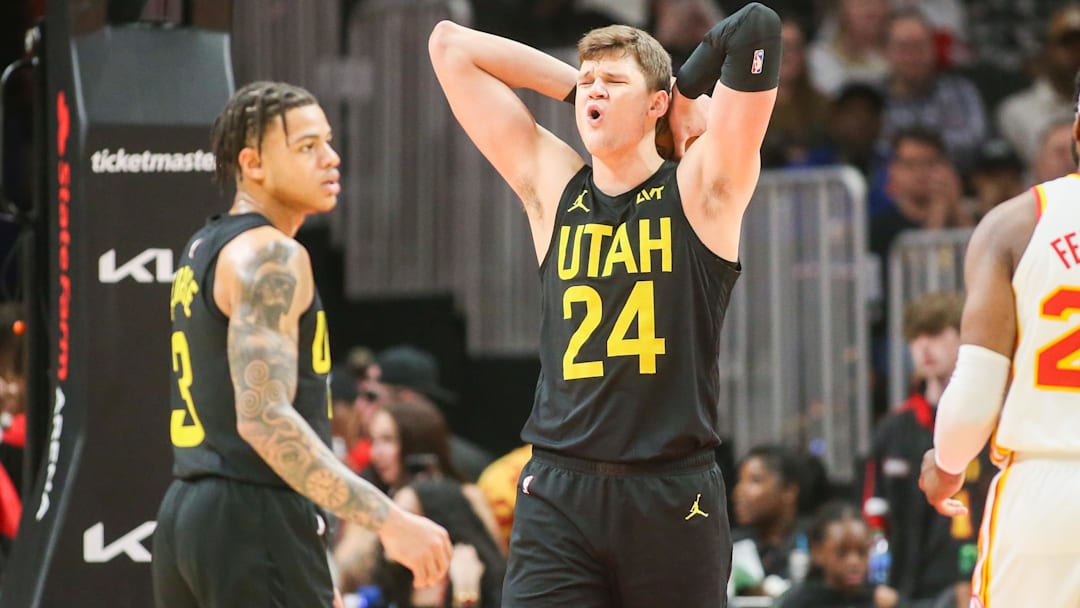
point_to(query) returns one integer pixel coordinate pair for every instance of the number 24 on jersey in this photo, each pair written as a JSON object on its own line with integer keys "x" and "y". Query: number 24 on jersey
{"x": 640, "y": 306}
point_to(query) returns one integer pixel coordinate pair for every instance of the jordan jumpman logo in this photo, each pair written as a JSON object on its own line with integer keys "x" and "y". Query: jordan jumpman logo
{"x": 696, "y": 510}
{"x": 578, "y": 204}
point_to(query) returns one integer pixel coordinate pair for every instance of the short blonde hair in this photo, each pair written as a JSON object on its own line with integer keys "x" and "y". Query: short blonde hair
{"x": 616, "y": 41}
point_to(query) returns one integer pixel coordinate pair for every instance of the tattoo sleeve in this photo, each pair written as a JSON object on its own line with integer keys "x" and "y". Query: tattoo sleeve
{"x": 263, "y": 364}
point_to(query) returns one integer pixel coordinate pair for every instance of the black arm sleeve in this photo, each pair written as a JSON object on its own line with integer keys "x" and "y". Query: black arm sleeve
{"x": 743, "y": 51}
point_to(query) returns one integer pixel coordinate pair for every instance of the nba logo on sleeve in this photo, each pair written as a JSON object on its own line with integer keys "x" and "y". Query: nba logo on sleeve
{"x": 759, "y": 61}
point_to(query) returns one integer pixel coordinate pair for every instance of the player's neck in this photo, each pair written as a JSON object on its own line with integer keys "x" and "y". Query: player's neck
{"x": 283, "y": 218}
{"x": 621, "y": 171}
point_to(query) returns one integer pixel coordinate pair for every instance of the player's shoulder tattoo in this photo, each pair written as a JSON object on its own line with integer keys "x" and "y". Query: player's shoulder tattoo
{"x": 269, "y": 281}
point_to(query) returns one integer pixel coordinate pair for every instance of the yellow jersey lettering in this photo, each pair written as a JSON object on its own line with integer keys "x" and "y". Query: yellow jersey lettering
{"x": 641, "y": 306}
{"x": 184, "y": 289}
{"x": 594, "y": 307}
{"x": 648, "y": 244}
{"x": 652, "y": 194}
{"x": 620, "y": 253}
{"x": 597, "y": 232}
{"x": 184, "y": 434}
{"x": 567, "y": 273}
{"x": 320, "y": 346}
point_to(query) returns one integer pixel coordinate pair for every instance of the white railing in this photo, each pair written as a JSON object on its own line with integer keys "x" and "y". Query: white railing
{"x": 920, "y": 262}
{"x": 796, "y": 340}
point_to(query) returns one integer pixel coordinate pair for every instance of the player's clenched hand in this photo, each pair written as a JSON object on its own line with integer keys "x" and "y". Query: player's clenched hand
{"x": 940, "y": 487}
{"x": 417, "y": 543}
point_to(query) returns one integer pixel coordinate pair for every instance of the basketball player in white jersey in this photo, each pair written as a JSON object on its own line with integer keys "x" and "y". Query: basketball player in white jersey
{"x": 1020, "y": 333}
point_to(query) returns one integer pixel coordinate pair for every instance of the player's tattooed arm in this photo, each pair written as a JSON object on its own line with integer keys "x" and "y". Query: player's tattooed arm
{"x": 274, "y": 286}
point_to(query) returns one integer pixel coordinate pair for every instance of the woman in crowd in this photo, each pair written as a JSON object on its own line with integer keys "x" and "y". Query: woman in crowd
{"x": 410, "y": 456}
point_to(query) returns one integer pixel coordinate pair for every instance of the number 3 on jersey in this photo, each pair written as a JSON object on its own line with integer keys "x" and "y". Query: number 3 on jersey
{"x": 182, "y": 433}
{"x": 188, "y": 434}
{"x": 639, "y": 305}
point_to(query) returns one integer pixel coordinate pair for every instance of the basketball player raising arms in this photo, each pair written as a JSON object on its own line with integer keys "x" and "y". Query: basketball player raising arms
{"x": 241, "y": 525}
{"x": 1017, "y": 384}
{"x": 622, "y": 503}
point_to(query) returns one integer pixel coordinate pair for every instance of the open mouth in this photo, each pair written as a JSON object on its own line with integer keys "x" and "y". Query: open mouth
{"x": 593, "y": 114}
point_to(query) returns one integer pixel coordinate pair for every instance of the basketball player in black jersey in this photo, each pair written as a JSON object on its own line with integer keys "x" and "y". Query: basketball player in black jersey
{"x": 242, "y": 524}
{"x": 623, "y": 503}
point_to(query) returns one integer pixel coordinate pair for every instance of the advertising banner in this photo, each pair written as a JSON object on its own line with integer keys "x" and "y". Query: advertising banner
{"x": 128, "y": 119}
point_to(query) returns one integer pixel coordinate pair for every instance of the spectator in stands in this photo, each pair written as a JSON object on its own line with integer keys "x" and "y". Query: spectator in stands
{"x": 850, "y": 46}
{"x": 924, "y": 192}
{"x": 679, "y": 25}
{"x": 924, "y": 187}
{"x": 839, "y": 550}
{"x": 766, "y": 502}
{"x": 363, "y": 372}
{"x": 1024, "y": 117}
{"x": 918, "y": 95}
{"x": 406, "y": 371}
{"x": 931, "y": 555}
{"x": 499, "y": 483}
{"x": 948, "y": 18}
{"x": 410, "y": 444}
{"x": 477, "y": 567}
{"x": 852, "y": 131}
{"x": 1057, "y": 153}
{"x": 800, "y": 112}
{"x": 997, "y": 176}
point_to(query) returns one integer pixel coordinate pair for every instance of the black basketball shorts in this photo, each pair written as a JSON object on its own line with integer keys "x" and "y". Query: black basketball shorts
{"x": 221, "y": 543}
{"x": 599, "y": 535}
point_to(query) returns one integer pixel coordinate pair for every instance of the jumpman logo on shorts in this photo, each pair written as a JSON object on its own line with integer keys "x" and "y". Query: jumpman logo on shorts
{"x": 696, "y": 510}
{"x": 578, "y": 204}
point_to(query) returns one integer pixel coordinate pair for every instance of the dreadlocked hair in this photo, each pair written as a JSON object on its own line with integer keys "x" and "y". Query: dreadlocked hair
{"x": 244, "y": 120}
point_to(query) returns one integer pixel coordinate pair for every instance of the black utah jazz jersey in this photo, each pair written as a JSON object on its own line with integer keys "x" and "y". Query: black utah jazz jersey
{"x": 202, "y": 425}
{"x": 632, "y": 303}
